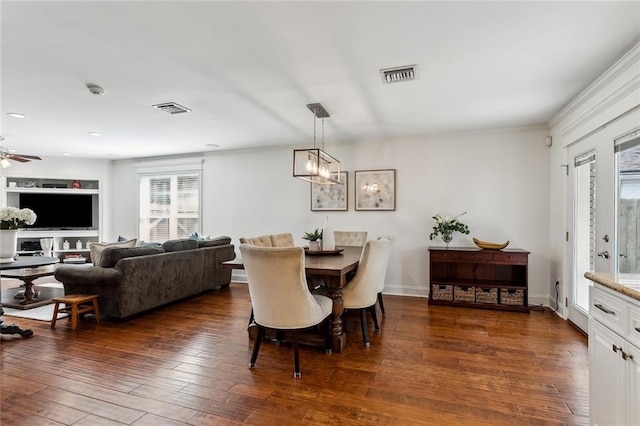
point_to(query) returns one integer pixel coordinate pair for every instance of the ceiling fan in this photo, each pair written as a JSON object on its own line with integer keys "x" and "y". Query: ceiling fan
{"x": 5, "y": 156}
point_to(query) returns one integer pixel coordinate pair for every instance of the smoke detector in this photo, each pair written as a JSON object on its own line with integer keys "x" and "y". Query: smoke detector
{"x": 171, "y": 108}
{"x": 95, "y": 89}
{"x": 399, "y": 74}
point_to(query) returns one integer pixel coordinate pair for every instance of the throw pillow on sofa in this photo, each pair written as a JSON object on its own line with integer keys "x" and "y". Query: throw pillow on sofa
{"x": 96, "y": 249}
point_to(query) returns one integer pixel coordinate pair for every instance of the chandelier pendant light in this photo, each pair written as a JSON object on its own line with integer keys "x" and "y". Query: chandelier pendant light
{"x": 314, "y": 164}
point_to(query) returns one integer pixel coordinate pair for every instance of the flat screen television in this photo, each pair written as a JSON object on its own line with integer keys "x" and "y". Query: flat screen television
{"x": 59, "y": 211}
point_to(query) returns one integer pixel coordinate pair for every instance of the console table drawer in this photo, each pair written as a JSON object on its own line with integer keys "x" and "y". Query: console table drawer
{"x": 512, "y": 258}
{"x": 479, "y": 255}
{"x": 445, "y": 255}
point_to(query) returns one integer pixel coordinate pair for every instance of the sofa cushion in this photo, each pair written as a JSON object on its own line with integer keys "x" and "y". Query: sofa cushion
{"x": 180, "y": 244}
{"x": 111, "y": 255}
{"x": 218, "y": 241}
{"x": 96, "y": 249}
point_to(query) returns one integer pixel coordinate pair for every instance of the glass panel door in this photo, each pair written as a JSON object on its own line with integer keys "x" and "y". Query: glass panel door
{"x": 590, "y": 220}
{"x": 628, "y": 204}
{"x": 584, "y": 228}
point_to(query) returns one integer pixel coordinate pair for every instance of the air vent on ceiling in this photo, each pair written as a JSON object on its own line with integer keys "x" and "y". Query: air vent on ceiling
{"x": 399, "y": 74}
{"x": 172, "y": 108}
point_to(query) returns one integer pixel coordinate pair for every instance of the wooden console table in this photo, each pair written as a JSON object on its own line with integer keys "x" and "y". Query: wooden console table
{"x": 479, "y": 278}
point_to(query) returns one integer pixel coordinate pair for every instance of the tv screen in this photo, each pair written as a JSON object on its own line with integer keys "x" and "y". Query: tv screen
{"x": 59, "y": 211}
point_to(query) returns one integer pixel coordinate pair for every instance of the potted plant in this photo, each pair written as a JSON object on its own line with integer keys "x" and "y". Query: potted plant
{"x": 11, "y": 220}
{"x": 445, "y": 227}
{"x": 313, "y": 237}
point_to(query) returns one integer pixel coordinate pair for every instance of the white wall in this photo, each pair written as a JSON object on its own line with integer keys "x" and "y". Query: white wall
{"x": 501, "y": 178}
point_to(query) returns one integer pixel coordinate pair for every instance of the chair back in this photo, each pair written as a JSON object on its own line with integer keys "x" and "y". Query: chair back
{"x": 275, "y": 240}
{"x": 350, "y": 238}
{"x": 278, "y": 287}
{"x": 362, "y": 291}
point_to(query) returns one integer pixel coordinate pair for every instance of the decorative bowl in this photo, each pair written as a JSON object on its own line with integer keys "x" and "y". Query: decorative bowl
{"x": 489, "y": 245}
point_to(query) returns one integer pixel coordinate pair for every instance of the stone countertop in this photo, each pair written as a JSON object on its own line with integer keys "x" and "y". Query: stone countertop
{"x": 627, "y": 284}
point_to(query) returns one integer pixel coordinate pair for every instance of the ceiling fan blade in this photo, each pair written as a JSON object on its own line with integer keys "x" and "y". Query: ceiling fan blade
{"x": 24, "y": 157}
{"x": 20, "y": 159}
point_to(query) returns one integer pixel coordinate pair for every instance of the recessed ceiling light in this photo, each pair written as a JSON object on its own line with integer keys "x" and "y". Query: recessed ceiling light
{"x": 95, "y": 134}
{"x": 66, "y": 154}
{"x": 16, "y": 115}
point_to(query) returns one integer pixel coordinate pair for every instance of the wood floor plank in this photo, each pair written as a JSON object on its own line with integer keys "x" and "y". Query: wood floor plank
{"x": 187, "y": 364}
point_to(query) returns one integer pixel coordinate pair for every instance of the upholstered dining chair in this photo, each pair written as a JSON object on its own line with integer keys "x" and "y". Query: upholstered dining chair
{"x": 280, "y": 297}
{"x": 350, "y": 238}
{"x": 273, "y": 240}
{"x": 361, "y": 292}
{"x": 357, "y": 239}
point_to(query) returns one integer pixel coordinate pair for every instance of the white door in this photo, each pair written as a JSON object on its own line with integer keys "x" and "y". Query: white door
{"x": 591, "y": 228}
{"x": 627, "y": 166}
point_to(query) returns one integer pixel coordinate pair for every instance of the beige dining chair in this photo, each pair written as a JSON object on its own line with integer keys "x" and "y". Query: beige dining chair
{"x": 357, "y": 239}
{"x": 350, "y": 238}
{"x": 272, "y": 240}
{"x": 361, "y": 292}
{"x": 280, "y": 297}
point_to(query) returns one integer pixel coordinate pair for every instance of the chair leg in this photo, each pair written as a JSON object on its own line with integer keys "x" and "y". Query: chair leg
{"x": 251, "y": 321}
{"x": 296, "y": 355}
{"x": 256, "y": 346}
{"x": 363, "y": 325}
{"x": 374, "y": 317}
{"x": 381, "y": 303}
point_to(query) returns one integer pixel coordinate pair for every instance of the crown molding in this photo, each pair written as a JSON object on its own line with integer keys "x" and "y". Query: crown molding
{"x": 628, "y": 60}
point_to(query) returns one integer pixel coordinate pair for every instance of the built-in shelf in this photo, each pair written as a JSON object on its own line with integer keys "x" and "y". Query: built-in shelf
{"x": 13, "y": 186}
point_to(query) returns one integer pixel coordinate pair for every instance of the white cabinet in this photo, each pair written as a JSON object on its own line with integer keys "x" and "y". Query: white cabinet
{"x": 67, "y": 209}
{"x": 614, "y": 361}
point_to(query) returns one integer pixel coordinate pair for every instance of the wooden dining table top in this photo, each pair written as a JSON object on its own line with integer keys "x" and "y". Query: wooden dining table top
{"x": 327, "y": 265}
{"x": 334, "y": 264}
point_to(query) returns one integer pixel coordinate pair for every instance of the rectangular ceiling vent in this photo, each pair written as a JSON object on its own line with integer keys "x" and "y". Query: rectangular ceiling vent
{"x": 171, "y": 108}
{"x": 399, "y": 74}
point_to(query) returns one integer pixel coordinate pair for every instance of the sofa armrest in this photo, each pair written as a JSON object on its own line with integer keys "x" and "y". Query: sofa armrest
{"x": 87, "y": 275}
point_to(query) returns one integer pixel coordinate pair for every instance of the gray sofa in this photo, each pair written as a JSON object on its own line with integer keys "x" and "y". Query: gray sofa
{"x": 131, "y": 280}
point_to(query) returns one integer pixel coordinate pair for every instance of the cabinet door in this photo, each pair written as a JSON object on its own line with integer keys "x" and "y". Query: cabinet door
{"x": 606, "y": 376}
{"x": 633, "y": 385}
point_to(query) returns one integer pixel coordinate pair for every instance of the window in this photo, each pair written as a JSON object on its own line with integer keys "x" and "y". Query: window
{"x": 628, "y": 208}
{"x": 169, "y": 205}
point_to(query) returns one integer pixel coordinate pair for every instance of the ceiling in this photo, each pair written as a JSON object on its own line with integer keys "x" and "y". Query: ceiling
{"x": 247, "y": 70}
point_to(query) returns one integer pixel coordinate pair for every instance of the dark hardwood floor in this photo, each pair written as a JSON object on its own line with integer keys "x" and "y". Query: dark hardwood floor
{"x": 187, "y": 363}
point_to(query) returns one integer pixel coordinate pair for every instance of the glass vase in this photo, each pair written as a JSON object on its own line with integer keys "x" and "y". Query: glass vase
{"x": 447, "y": 237}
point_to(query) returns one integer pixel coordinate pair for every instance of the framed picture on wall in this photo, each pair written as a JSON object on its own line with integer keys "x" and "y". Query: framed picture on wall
{"x": 375, "y": 189}
{"x": 330, "y": 197}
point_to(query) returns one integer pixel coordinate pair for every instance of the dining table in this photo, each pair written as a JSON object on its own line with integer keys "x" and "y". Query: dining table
{"x": 331, "y": 268}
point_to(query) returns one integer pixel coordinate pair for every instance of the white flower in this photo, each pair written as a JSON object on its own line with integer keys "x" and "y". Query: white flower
{"x": 15, "y": 218}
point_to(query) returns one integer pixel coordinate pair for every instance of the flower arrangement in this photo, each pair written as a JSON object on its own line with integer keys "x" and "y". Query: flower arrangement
{"x": 15, "y": 218}
{"x": 446, "y": 226}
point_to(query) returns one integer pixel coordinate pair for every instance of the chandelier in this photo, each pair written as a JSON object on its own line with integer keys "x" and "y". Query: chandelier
{"x": 314, "y": 164}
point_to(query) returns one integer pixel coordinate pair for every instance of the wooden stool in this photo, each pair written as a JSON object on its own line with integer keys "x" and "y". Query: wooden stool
{"x": 76, "y": 305}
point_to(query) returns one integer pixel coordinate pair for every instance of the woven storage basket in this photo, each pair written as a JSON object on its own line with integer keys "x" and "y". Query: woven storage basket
{"x": 509, "y": 296}
{"x": 442, "y": 292}
{"x": 464, "y": 294}
{"x": 486, "y": 295}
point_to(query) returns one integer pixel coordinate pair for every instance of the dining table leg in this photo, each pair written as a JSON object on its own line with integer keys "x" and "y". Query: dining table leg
{"x": 338, "y": 335}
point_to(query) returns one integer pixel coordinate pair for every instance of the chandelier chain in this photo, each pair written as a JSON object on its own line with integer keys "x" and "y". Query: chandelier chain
{"x": 314, "y": 128}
